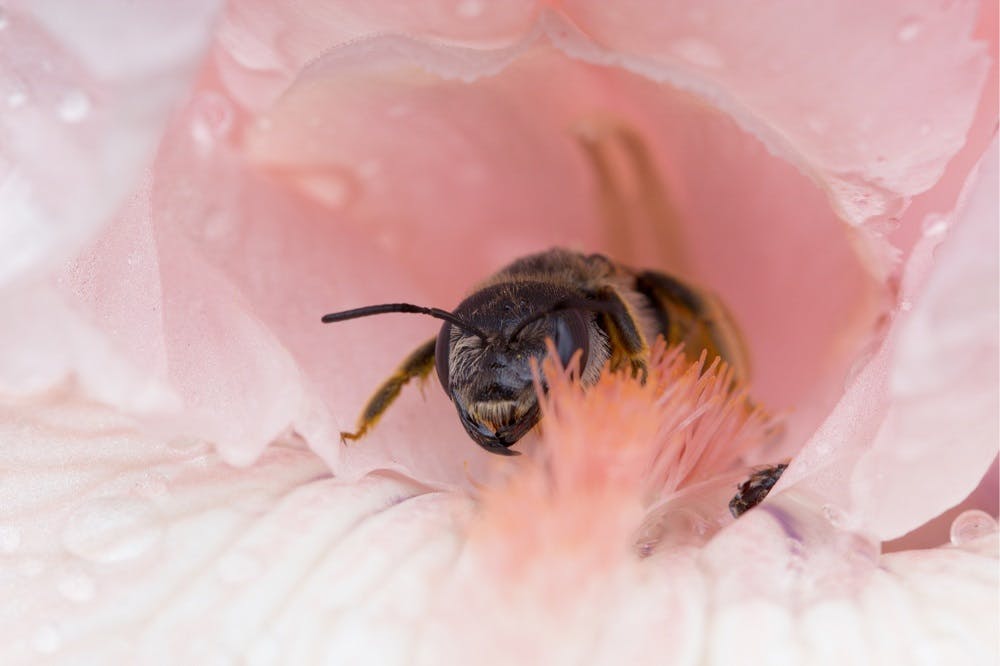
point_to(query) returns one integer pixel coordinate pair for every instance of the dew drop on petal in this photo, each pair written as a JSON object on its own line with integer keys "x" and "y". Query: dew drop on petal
{"x": 972, "y": 525}
{"x": 238, "y": 567}
{"x": 330, "y": 187}
{"x": 77, "y": 587}
{"x": 16, "y": 99}
{"x": 795, "y": 547}
{"x": 113, "y": 529}
{"x": 935, "y": 226}
{"x": 74, "y": 106}
{"x": 909, "y": 30}
{"x": 836, "y": 516}
{"x": 10, "y": 539}
{"x": 212, "y": 117}
{"x": 470, "y": 8}
{"x": 46, "y": 639}
{"x": 698, "y": 52}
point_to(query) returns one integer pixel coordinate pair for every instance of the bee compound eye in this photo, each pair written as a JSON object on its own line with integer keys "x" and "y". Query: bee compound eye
{"x": 572, "y": 334}
{"x": 442, "y": 352}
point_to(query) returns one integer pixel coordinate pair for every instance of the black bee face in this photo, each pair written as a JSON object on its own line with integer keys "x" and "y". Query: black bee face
{"x": 493, "y": 390}
{"x": 491, "y": 380}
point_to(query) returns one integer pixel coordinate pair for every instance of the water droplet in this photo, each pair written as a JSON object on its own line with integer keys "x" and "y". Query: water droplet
{"x": 74, "y": 106}
{"x": 77, "y": 587}
{"x": 796, "y": 550}
{"x": 935, "y": 226}
{"x": 211, "y": 117}
{"x": 698, "y": 52}
{"x": 17, "y": 99}
{"x": 112, "y": 529}
{"x": 859, "y": 201}
{"x": 836, "y": 516}
{"x": 10, "y": 539}
{"x": 972, "y": 525}
{"x": 46, "y": 639}
{"x": 238, "y": 567}
{"x": 332, "y": 188}
{"x": 909, "y": 30}
{"x": 470, "y": 8}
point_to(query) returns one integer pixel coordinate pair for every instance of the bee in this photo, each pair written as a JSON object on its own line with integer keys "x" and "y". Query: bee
{"x": 584, "y": 304}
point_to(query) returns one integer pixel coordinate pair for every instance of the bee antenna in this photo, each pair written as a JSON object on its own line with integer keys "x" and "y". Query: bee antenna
{"x": 370, "y": 310}
{"x": 558, "y": 306}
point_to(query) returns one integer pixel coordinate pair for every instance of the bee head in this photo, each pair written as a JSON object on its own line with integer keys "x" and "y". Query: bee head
{"x": 487, "y": 348}
{"x": 490, "y": 378}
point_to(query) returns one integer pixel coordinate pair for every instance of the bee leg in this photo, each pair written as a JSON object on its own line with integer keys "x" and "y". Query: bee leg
{"x": 627, "y": 342}
{"x": 418, "y": 364}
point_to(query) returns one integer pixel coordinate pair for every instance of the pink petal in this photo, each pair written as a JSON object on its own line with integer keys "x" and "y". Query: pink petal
{"x": 422, "y": 164}
{"x": 871, "y": 100}
{"x": 790, "y": 584}
{"x": 279, "y": 563}
{"x": 78, "y": 87}
{"x": 263, "y": 46}
{"x": 84, "y": 109}
{"x": 918, "y": 428}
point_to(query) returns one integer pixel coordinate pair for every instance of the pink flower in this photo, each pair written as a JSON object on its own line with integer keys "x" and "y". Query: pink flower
{"x": 185, "y": 188}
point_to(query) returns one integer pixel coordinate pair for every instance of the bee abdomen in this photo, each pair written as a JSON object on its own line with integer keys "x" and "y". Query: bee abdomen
{"x": 696, "y": 320}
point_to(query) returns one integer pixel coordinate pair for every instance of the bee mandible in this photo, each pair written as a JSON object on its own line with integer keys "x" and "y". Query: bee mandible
{"x": 586, "y": 304}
